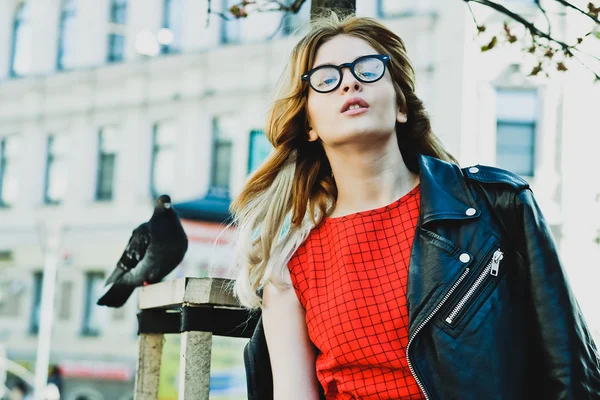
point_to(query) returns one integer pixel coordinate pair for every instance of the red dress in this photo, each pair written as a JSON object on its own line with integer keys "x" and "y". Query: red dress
{"x": 350, "y": 275}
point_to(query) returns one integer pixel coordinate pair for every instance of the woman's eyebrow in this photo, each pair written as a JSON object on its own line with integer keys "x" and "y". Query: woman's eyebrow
{"x": 330, "y": 63}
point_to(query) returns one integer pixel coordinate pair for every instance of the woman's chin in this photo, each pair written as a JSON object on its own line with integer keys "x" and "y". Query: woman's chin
{"x": 363, "y": 137}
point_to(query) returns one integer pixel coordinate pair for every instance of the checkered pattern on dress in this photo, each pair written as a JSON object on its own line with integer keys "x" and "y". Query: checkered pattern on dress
{"x": 350, "y": 275}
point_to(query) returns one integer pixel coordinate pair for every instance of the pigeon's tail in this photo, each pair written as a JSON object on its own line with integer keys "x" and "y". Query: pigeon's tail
{"x": 115, "y": 295}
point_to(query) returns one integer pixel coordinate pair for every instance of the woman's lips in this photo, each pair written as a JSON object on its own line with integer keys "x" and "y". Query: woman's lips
{"x": 356, "y": 111}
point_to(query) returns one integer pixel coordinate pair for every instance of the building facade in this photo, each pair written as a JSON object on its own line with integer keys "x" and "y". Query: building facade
{"x": 106, "y": 104}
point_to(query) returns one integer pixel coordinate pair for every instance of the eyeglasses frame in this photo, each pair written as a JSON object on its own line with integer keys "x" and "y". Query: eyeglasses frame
{"x": 382, "y": 57}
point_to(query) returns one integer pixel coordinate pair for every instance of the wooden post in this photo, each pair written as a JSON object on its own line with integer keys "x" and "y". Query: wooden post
{"x": 196, "y": 307}
{"x": 194, "y": 365}
{"x": 148, "y": 366}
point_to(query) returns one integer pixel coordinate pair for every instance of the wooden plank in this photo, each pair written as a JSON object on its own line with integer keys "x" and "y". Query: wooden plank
{"x": 194, "y": 365}
{"x": 217, "y": 292}
{"x": 196, "y": 291}
{"x": 148, "y": 366}
{"x": 163, "y": 294}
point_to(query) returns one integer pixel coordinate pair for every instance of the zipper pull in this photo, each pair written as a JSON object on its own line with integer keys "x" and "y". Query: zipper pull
{"x": 496, "y": 258}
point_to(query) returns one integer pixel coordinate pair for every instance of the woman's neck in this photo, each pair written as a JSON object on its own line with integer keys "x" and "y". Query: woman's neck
{"x": 369, "y": 177}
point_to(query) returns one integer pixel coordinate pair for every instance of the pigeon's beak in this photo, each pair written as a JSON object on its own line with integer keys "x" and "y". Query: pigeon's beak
{"x": 167, "y": 205}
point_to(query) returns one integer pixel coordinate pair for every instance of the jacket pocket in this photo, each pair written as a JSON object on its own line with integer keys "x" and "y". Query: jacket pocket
{"x": 479, "y": 281}
{"x": 490, "y": 272}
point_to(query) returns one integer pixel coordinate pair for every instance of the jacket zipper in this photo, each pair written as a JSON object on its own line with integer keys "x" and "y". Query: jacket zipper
{"x": 425, "y": 321}
{"x": 492, "y": 269}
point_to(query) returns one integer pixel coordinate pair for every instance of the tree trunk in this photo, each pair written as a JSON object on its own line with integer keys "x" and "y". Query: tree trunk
{"x": 341, "y": 6}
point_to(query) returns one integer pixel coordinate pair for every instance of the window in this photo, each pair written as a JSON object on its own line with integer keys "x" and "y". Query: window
{"x": 396, "y": 8}
{"x": 56, "y": 169}
{"x": 260, "y": 147}
{"x": 22, "y": 44}
{"x": 230, "y": 30}
{"x": 9, "y": 183}
{"x": 10, "y": 298}
{"x": 34, "y": 323}
{"x": 107, "y": 155}
{"x": 116, "y": 41}
{"x": 390, "y": 8}
{"x": 65, "y": 300}
{"x": 92, "y": 316}
{"x": 296, "y": 23}
{"x": 516, "y": 111}
{"x": 260, "y": 27}
{"x": 172, "y": 14}
{"x": 66, "y": 38}
{"x": 223, "y": 131}
{"x": 163, "y": 158}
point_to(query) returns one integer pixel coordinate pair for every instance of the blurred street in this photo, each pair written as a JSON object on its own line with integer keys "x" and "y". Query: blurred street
{"x": 107, "y": 104}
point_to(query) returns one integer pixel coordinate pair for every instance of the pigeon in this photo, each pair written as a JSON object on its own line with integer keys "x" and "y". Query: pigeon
{"x": 154, "y": 250}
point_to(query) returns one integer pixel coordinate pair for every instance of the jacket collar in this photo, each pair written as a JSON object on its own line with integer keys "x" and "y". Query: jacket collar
{"x": 444, "y": 194}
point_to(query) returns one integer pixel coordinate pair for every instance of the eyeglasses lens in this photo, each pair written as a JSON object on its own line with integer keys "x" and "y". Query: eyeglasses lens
{"x": 369, "y": 69}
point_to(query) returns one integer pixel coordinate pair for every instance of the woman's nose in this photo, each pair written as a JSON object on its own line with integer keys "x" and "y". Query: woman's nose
{"x": 349, "y": 81}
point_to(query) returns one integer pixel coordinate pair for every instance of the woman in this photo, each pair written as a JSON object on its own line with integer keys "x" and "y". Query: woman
{"x": 386, "y": 271}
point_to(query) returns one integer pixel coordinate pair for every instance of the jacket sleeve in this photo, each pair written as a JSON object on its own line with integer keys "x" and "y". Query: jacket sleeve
{"x": 570, "y": 357}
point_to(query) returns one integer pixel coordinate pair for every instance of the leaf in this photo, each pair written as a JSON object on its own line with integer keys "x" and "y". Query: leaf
{"x": 597, "y": 34}
{"x": 481, "y": 28}
{"x": 536, "y": 70}
{"x": 549, "y": 53}
{"x": 490, "y": 45}
{"x": 235, "y": 11}
{"x": 561, "y": 66}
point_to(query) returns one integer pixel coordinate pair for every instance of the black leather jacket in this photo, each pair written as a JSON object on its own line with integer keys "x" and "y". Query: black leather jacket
{"x": 491, "y": 314}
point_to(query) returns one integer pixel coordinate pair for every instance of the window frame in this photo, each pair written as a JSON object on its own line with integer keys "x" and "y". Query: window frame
{"x": 20, "y": 21}
{"x": 51, "y": 159}
{"x": 217, "y": 141}
{"x": 117, "y": 15}
{"x": 5, "y": 160}
{"x": 68, "y": 13}
{"x": 99, "y": 196}
{"x": 36, "y": 303}
{"x": 156, "y": 148}
{"x": 90, "y": 304}
{"x": 532, "y": 123}
{"x": 2, "y": 169}
{"x": 254, "y": 133}
{"x": 167, "y": 23}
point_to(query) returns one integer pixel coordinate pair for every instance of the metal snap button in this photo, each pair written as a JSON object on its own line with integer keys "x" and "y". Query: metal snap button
{"x": 473, "y": 170}
{"x": 464, "y": 258}
{"x": 470, "y": 211}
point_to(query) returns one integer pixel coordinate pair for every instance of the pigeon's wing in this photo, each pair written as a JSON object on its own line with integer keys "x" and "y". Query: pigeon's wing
{"x": 134, "y": 252}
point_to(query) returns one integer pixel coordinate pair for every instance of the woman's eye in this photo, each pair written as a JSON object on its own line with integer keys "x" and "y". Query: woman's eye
{"x": 327, "y": 82}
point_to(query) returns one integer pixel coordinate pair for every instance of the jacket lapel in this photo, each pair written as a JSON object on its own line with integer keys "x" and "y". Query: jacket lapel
{"x": 434, "y": 262}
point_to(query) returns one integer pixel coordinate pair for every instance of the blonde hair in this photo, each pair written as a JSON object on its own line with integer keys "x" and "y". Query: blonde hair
{"x": 294, "y": 186}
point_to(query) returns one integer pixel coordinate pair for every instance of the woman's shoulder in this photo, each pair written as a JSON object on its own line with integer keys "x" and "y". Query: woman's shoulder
{"x": 485, "y": 174}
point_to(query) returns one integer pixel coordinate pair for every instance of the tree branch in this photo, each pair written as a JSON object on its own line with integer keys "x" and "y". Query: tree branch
{"x": 472, "y": 14}
{"x": 574, "y": 7}
{"x": 539, "y": 5}
{"x": 281, "y": 21}
{"x": 534, "y": 31}
{"x": 532, "y": 28}
{"x": 296, "y": 5}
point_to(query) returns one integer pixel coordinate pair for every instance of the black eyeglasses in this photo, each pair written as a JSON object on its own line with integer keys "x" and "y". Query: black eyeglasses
{"x": 327, "y": 78}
